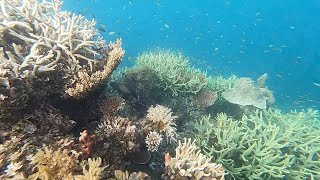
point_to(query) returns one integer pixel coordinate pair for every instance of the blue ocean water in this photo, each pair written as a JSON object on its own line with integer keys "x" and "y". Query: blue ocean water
{"x": 245, "y": 37}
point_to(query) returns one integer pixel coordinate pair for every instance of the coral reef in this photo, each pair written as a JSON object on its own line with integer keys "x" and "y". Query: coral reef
{"x": 87, "y": 142}
{"x": 174, "y": 71}
{"x": 45, "y": 51}
{"x": 190, "y": 163}
{"x": 153, "y": 141}
{"x": 205, "y": 98}
{"x": 121, "y": 175}
{"x": 160, "y": 118}
{"x": 265, "y": 145}
{"x": 54, "y": 72}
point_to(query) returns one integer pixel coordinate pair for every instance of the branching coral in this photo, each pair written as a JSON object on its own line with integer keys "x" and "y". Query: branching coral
{"x": 88, "y": 80}
{"x": 266, "y": 145}
{"x": 220, "y": 84}
{"x": 119, "y": 129}
{"x": 61, "y": 164}
{"x": 91, "y": 169}
{"x": 125, "y": 175}
{"x": 174, "y": 71}
{"x": 159, "y": 118}
{"x": 153, "y": 141}
{"x": 190, "y": 163}
{"x": 43, "y": 49}
{"x": 51, "y": 164}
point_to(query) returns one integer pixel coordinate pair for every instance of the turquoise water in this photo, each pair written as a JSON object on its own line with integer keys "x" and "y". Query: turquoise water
{"x": 245, "y": 37}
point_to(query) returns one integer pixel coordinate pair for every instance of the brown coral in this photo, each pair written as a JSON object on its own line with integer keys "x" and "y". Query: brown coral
{"x": 205, "y": 98}
{"x": 86, "y": 81}
{"x": 111, "y": 105}
{"x": 53, "y": 164}
{"x": 87, "y": 142}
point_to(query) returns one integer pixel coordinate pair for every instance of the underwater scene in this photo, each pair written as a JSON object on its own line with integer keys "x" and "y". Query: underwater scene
{"x": 159, "y": 90}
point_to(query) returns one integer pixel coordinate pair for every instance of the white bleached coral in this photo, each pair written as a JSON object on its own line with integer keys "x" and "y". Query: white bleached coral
{"x": 45, "y": 49}
{"x": 153, "y": 141}
{"x": 38, "y": 37}
{"x": 189, "y": 162}
{"x": 160, "y": 118}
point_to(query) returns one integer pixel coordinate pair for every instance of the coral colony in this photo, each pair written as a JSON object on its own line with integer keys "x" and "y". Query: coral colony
{"x": 67, "y": 113}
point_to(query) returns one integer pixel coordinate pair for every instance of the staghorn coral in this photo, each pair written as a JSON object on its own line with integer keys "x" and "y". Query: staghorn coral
{"x": 174, "y": 71}
{"x": 14, "y": 161}
{"x": 62, "y": 164}
{"x": 159, "y": 118}
{"x": 53, "y": 164}
{"x": 265, "y": 145}
{"x": 124, "y": 175}
{"x": 153, "y": 141}
{"x": 44, "y": 50}
{"x": 91, "y": 169}
{"x": 220, "y": 84}
{"x": 190, "y": 163}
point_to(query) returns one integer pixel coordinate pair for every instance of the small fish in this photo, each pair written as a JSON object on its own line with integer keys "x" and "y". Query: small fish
{"x": 166, "y": 25}
{"x": 111, "y": 33}
{"x": 94, "y": 17}
{"x": 103, "y": 25}
{"x": 292, "y": 27}
{"x": 101, "y": 29}
{"x": 316, "y": 84}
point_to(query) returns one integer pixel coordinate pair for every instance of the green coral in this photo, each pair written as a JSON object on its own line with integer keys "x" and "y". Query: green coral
{"x": 174, "y": 71}
{"x": 266, "y": 145}
{"x": 177, "y": 75}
